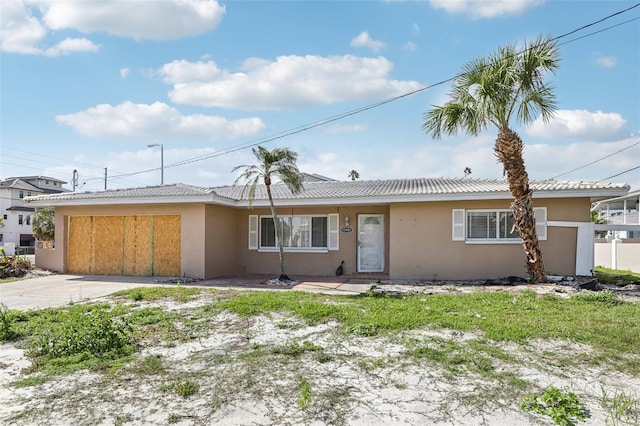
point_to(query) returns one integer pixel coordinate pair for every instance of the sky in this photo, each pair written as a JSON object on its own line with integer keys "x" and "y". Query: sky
{"x": 89, "y": 85}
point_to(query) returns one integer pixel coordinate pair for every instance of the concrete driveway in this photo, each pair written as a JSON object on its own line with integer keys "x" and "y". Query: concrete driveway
{"x": 59, "y": 290}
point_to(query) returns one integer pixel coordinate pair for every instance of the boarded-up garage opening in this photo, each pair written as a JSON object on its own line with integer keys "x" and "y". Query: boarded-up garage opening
{"x": 142, "y": 245}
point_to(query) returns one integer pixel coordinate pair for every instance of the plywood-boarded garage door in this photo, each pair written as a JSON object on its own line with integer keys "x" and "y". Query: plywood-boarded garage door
{"x": 143, "y": 245}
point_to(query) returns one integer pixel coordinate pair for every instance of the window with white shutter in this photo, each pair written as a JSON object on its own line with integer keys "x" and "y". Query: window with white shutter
{"x": 253, "y": 232}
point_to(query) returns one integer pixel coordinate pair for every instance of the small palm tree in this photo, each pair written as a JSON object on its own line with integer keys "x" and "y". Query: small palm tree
{"x": 353, "y": 174}
{"x": 492, "y": 91}
{"x": 280, "y": 163}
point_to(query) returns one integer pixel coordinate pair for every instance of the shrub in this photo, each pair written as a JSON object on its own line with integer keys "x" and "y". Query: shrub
{"x": 564, "y": 408}
{"x": 95, "y": 332}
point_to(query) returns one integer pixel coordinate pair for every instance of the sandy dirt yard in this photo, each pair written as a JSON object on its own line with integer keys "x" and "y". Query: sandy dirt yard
{"x": 275, "y": 370}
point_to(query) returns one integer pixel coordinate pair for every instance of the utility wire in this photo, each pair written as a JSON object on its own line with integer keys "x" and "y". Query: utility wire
{"x": 386, "y": 101}
{"x": 596, "y": 161}
{"x": 618, "y": 174}
{"x": 341, "y": 116}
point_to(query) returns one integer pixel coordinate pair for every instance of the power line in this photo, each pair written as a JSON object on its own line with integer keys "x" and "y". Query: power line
{"x": 341, "y": 116}
{"x": 618, "y": 174}
{"x": 356, "y": 111}
{"x": 596, "y": 161}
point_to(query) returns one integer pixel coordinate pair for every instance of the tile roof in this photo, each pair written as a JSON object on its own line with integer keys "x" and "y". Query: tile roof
{"x": 335, "y": 190}
{"x": 169, "y": 191}
{"x": 408, "y": 187}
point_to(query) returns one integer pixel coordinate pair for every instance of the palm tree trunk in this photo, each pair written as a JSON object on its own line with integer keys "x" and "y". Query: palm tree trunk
{"x": 508, "y": 149}
{"x": 279, "y": 236}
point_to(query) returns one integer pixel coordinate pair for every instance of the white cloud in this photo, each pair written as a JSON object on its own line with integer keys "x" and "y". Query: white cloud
{"x": 410, "y": 46}
{"x": 124, "y": 72}
{"x": 154, "y": 20}
{"x": 71, "y": 45}
{"x": 606, "y": 61}
{"x": 416, "y": 28}
{"x": 24, "y": 32}
{"x": 20, "y": 31}
{"x": 599, "y": 126}
{"x": 288, "y": 82}
{"x": 182, "y": 71}
{"x": 157, "y": 121}
{"x": 331, "y": 165}
{"x": 364, "y": 40}
{"x": 478, "y": 9}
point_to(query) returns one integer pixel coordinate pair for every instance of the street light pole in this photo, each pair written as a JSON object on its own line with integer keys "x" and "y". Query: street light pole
{"x": 161, "y": 160}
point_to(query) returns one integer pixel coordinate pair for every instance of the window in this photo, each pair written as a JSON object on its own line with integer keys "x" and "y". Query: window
{"x": 20, "y": 219}
{"x": 28, "y": 193}
{"x": 28, "y": 220}
{"x": 21, "y": 194}
{"x": 492, "y": 225}
{"x": 1, "y": 238}
{"x": 297, "y": 231}
{"x": 4, "y": 217}
{"x": 300, "y": 232}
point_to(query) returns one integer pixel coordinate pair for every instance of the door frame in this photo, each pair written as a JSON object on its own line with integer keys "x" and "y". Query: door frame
{"x": 381, "y": 242}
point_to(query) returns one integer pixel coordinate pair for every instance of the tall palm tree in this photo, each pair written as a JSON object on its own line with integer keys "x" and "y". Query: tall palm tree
{"x": 507, "y": 85}
{"x": 280, "y": 163}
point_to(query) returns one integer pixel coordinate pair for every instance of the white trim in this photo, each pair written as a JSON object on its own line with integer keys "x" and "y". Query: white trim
{"x": 494, "y": 241}
{"x": 293, "y": 250}
{"x": 381, "y": 246}
{"x": 41, "y": 200}
{"x": 584, "y": 244}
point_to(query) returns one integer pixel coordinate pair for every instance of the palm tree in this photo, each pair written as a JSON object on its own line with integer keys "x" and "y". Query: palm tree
{"x": 353, "y": 174}
{"x": 509, "y": 84}
{"x": 280, "y": 163}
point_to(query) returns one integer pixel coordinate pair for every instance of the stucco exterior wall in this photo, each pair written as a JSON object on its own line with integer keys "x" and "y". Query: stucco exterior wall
{"x": 221, "y": 241}
{"x": 421, "y": 243}
{"x": 191, "y": 240}
{"x": 300, "y": 263}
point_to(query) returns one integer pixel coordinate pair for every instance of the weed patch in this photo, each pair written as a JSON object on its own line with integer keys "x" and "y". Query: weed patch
{"x": 563, "y": 407}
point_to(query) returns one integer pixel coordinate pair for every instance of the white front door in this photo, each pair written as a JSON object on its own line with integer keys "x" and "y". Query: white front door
{"x": 370, "y": 243}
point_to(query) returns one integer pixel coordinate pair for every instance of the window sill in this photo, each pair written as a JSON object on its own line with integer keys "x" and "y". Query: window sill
{"x": 293, "y": 250}
{"x": 493, "y": 241}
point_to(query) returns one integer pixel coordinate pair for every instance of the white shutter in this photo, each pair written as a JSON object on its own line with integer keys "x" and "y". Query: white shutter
{"x": 458, "y": 225}
{"x": 540, "y": 215}
{"x": 334, "y": 232}
{"x": 253, "y": 232}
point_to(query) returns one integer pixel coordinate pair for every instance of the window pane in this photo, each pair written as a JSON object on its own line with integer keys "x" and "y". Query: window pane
{"x": 267, "y": 232}
{"x": 481, "y": 225}
{"x": 506, "y": 225}
{"x": 300, "y": 231}
{"x": 319, "y": 232}
{"x": 285, "y": 227}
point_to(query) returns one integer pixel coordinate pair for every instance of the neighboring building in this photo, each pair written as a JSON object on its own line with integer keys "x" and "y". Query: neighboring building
{"x": 405, "y": 229}
{"x": 16, "y": 215}
{"x": 620, "y": 211}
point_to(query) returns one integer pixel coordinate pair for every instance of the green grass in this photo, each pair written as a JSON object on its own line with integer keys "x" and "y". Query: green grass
{"x": 614, "y": 276}
{"x": 181, "y": 294}
{"x": 603, "y": 321}
{"x": 105, "y": 337}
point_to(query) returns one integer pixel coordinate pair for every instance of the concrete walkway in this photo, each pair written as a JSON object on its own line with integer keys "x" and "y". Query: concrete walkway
{"x": 61, "y": 289}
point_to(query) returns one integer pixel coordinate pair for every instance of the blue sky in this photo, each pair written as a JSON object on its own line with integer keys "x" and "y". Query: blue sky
{"x": 86, "y": 85}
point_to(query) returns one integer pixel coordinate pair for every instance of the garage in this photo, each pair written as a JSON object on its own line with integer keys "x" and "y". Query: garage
{"x": 135, "y": 245}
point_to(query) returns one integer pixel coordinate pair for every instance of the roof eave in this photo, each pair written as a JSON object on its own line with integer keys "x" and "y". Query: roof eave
{"x": 44, "y": 202}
